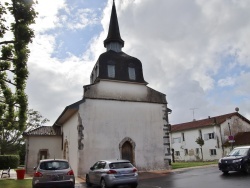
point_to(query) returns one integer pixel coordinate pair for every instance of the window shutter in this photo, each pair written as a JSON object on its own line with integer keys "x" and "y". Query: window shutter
{"x": 206, "y": 136}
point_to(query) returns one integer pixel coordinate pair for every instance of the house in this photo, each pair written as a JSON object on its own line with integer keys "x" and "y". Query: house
{"x": 215, "y": 131}
{"x": 240, "y": 139}
{"x": 119, "y": 117}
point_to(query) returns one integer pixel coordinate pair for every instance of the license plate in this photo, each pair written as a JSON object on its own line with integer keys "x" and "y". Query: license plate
{"x": 125, "y": 172}
{"x": 55, "y": 177}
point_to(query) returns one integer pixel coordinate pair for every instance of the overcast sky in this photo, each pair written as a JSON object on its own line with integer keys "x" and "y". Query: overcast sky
{"x": 194, "y": 51}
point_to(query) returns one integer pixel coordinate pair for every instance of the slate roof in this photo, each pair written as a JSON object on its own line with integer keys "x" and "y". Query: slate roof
{"x": 44, "y": 131}
{"x": 205, "y": 122}
{"x": 114, "y": 32}
{"x": 68, "y": 112}
{"x": 121, "y": 61}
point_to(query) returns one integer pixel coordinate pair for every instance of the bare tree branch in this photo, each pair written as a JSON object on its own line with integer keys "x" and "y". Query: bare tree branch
{"x": 8, "y": 59}
{"x": 8, "y": 81}
{"x": 7, "y": 42}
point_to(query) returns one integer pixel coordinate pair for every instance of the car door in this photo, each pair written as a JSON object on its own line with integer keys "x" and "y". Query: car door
{"x": 99, "y": 171}
{"x": 92, "y": 171}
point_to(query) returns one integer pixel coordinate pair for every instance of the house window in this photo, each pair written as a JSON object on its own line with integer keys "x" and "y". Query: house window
{"x": 186, "y": 151}
{"x": 131, "y": 73}
{"x": 212, "y": 151}
{"x": 209, "y": 136}
{"x": 177, "y": 153}
{"x": 183, "y": 136}
{"x": 177, "y": 140}
{"x": 111, "y": 71}
{"x": 197, "y": 150}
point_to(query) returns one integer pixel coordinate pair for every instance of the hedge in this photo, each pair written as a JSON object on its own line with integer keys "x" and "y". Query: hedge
{"x": 7, "y": 161}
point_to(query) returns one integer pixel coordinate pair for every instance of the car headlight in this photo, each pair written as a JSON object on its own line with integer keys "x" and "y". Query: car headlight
{"x": 219, "y": 161}
{"x": 236, "y": 160}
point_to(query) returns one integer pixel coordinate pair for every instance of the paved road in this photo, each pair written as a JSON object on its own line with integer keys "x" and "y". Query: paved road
{"x": 205, "y": 177}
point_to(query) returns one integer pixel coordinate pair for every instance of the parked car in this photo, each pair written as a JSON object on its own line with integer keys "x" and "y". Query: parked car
{"x": 237, "y": 160}
{"x": 53, "y": 173}
{"x": 110, "y": 173}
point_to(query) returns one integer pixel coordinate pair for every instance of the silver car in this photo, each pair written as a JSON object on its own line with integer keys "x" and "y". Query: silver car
{"x": 53, "y": 173}
{"x": 110, "y": 173}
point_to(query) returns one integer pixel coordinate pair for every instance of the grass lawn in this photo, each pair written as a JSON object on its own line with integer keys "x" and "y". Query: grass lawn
{"x": 11, "y": 183}
{"x": 177, "y": 165}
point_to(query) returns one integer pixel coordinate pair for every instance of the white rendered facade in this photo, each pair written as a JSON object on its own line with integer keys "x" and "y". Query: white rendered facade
{"x": 214, "y": 135}
{"x": 36, "y": 146}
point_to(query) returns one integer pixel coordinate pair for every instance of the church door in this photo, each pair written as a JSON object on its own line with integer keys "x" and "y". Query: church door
{"x": 127, "y": 151}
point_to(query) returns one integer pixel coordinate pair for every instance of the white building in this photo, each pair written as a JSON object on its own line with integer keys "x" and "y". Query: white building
{"x": 215, "y": 132}
{"x": 119, "y": 117}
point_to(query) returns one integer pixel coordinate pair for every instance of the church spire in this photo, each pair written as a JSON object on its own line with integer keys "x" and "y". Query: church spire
{"x": 113, "y": 40}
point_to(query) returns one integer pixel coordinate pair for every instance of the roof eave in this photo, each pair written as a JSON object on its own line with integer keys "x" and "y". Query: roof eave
{"x": 68, "y": 112}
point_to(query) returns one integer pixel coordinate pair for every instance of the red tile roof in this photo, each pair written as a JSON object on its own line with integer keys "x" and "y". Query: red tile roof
{"x": 44, "y": 131}
{"x": 205, "y": 122}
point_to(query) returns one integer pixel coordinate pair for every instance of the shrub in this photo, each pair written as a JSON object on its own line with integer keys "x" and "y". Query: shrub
{"x": 7, "y": 161}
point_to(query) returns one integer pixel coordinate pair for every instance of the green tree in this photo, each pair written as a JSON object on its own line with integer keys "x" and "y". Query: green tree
{"x": 200, "y": 142}
{"x": 13, "y": 62}
{"x": 11, "y": 140}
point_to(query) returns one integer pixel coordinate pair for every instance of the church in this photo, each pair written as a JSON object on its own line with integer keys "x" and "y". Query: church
{"x": 119, "y": 117}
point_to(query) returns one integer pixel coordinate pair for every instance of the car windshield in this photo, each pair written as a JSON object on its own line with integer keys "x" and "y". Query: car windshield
{"x": 120, "y": 165}
{"x": 54, "y": 165}
{"x": 238, "y": 152}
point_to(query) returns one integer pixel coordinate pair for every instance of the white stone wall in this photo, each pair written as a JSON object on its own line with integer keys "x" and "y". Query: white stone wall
{"x": 36, "y": 143}
{"x": 119, "y": 91}
{"x": 70, "y": 134}
{"x": 106, "y": 123}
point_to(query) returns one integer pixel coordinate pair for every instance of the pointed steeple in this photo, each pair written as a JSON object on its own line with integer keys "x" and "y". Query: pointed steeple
{"x": 113, "y": 40}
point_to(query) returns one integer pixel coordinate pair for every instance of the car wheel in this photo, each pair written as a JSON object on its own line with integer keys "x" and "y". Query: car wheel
{"x": 103, "y": 184}
{"x": 225, "y": 172}
{"x": 87, "y": 181}
{"x": 247, "y": 168}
